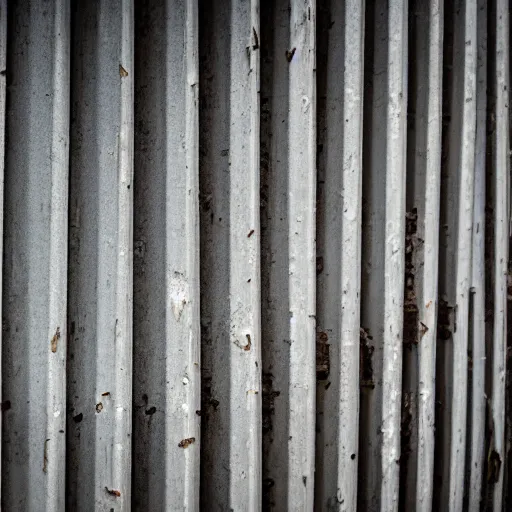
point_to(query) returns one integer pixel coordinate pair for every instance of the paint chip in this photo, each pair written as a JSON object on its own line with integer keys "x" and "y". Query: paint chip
{"x": 122, "y": 72}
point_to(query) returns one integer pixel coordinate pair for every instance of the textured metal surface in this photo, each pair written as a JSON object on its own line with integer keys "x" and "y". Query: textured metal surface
{"x": 288, "y": 274}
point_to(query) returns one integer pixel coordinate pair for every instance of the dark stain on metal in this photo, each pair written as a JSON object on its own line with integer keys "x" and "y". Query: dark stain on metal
{"x": 45, "y": 456}
{"x": 107, "y": 393}
{"x": 256, "y": 44}
{"x": 250, "y": 233}
{"x": 150, "y": 411}
{"x": 366, "y": 350}
{"x": 319, "y": 265}
{"x": 494, "y": 467}
{"x": 290, "y": 53}
{"x": 444, "y": 330}
{"x": 6, "y": 405}
{"x": 322, "y": 356}
{"x": 78, "y": 418}
{"x": 99, "y": 407}
{"x": 248, "y": 346}
{"x": 268, "y": 397}
{"x": 411, "y": 319}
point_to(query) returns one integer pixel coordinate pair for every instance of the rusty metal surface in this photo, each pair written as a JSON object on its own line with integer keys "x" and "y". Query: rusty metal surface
{"x": 287, "y": 279}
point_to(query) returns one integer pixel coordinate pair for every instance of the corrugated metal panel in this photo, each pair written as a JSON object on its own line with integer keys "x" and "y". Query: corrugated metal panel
{"x": 293, "y": 216}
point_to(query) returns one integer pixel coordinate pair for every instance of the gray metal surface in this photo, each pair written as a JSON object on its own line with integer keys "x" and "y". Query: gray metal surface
{"x": 288, "y": 278}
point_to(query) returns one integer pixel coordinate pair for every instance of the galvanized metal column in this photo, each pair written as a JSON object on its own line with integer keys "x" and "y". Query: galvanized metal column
{"x": 100, "y": 279}
{"x": 166, "y": 266}
{"x": 383, "y": 253}
{"x": 35, "y": 255}
{"x": 455, "y": 253}
{"x": 230, "y": 241}
{"x": 421, "y": 254}
{"x": 340, "y": 92}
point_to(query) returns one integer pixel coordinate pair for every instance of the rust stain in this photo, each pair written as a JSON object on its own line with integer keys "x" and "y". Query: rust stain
{"x": 113, "y": 492}
{"x": 248, "y": 346}
{"x": 185, "y": 443}
{"x": 107, "y": 393}
{"x": 429, "y": 303}
{"x": 99, "y": 407}
{"x": 423, "y": 329}
{"x": 122, "y": 72}
{"x": 55, "y": 340}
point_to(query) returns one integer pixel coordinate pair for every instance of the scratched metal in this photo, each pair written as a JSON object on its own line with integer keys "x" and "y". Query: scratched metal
{"x": 307, "y": 202}
{"x": 167, "y": 403}
{"x": 100, "y": 274}
{"x": 383, "y": 253}
{"x": 35, "y": 256}
{"x": 339, "y": 251}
